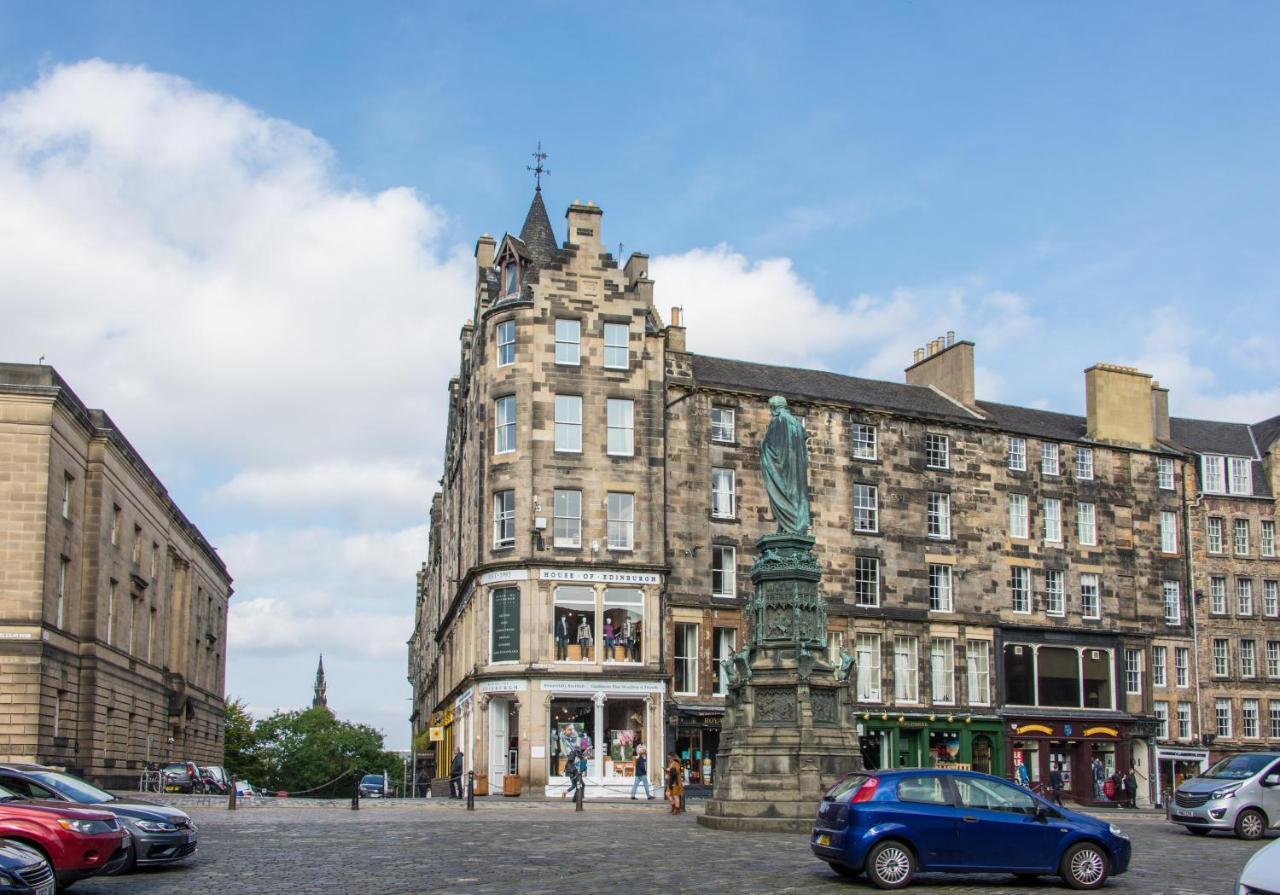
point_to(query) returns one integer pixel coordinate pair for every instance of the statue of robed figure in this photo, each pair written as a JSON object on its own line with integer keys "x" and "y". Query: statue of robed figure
{"x": 784, "y": 461}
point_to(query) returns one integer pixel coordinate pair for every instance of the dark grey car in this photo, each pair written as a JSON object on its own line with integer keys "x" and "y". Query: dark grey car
{"x": 160, "y": 834}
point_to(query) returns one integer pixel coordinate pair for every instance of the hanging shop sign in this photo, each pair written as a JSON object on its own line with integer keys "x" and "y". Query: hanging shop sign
{"x": 436, "y": 734}
{"x": 505, "y": 646}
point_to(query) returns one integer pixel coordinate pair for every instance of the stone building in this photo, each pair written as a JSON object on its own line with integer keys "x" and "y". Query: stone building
{"x": 1007, "y": 579}
{"x": 1236, "y": 569}
{"x": 113, "y": 606}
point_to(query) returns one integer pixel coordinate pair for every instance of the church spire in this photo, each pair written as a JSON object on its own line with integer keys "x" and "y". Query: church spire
{"x": 320, "y": 700}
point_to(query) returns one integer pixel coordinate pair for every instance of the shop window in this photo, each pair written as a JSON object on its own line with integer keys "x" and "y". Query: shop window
{"x": 686, "y": 658}
{"x": 575, "y": 624}
{"x": 1097, "y": 679}
{"x": 1058, "y": 676}
{"x": 623, "y": 618}
{"x": 572, "y": 721}
{"x": 723, "y": 644}
{"x": 1019, "y": 674}
{"x": 980, "y": 753}
{"x": 623, "y": 732}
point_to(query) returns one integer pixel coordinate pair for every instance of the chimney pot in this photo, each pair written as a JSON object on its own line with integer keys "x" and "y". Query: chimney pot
{"x": 917, "y": 355}
{"x": 951, "y": 337}
{"x": 675, "y": 316}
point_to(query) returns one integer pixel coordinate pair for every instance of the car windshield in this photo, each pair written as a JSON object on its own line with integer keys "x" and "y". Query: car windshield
{"x": 372, "y": 778}
{"x": 73, "y": 788}
{"x": 180, "y": 768}
{"x": 1239, "y": 767}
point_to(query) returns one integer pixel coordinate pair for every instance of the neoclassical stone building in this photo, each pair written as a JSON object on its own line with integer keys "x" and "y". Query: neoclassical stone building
{"x": 113, "y": 606}
{"x": 1013, "y": 583}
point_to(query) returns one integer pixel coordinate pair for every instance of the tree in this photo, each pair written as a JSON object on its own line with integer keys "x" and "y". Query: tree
{"x": 242, "y": 758}
{"x": 311, "y": 751}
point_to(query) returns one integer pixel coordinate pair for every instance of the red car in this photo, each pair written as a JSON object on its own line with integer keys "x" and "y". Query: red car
{"x": 78, "y": 842}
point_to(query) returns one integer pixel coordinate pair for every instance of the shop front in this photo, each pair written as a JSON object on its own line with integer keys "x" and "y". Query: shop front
{"x": 697, "y": 741}
{"x": 606, "y": 721}
{"x": 902, "y": 740}
{"x": 1072, "y": 745}
{"x": 1175, "y": 764}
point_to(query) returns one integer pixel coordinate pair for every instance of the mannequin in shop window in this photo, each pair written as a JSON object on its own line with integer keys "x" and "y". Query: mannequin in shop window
{"x": 562, "y": 638}
{"x": 584, "y": 637}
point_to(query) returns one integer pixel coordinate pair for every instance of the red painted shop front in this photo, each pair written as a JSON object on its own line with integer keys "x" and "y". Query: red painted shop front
{"x": 1072, "y": 744}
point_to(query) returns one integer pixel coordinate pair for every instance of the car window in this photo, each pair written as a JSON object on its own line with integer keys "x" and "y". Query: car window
{"x": 926, "y": 789}
{"x": 26, "y": 788}
{"x": 993, "y": 795}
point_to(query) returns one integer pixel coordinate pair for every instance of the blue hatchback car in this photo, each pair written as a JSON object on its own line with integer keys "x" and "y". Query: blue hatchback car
{"x": 894, "y": 824}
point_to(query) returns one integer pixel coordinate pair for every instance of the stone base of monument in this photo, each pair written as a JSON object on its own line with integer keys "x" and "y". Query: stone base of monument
{"x": 788, "y": 731}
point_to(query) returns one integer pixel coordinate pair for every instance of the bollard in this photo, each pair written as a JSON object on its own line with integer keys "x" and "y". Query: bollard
{"x": 355, "y": 795}
{"x": 231, "y": 797}
{"x": 578, "y": 794}
{"x": 471, "y": 790}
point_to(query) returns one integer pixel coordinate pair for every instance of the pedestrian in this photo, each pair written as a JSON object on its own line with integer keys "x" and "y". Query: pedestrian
{"x": 1024, "y": 776}
{"x": 1055, "y": 783}
{"x": 1115, "y": 783}
{"x": 1099, "y": 774}
{"x": 1131, "y": 787}
{"x": 642, "y": 772}
{"x": 455, "y": 775}
{"x": 675, "y": 782}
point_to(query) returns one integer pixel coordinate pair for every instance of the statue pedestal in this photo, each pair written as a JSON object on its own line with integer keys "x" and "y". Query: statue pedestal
{"x": 788, "y": 730}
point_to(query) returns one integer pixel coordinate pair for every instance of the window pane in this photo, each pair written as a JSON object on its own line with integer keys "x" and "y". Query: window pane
{"x": 568, "y": 341}
{"x": 569, "y": 423}
{"x": 864, "y": 441}
{"x": 617, "y": 354}
{"x": 621, "y": 629}
{"x": 574, "y": 624}
{"x": 724, "y": 571}
{"x": 504, "y": 425}
{"x": 567, "y": 523}
{"x": 722, "y": 493}
{"x": 620, "y": 414}
{"x": 506, "y": 343}
{"x": 621, "y": 520}
{"x": 722, "y": 423}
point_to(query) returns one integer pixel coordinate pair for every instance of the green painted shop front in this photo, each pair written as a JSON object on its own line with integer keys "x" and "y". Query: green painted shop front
{"x": 927, "y": 741}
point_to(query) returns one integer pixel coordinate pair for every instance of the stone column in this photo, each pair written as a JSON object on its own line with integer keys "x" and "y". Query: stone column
{"x": 598, "y": 733}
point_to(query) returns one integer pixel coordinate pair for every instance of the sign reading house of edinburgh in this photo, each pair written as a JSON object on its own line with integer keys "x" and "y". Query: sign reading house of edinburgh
{"x": 594, "y": 576}
{"x": 506, "y": 625}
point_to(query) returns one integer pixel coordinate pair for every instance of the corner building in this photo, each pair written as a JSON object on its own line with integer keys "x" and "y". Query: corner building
{"x": 1004, "y": 577}
{"x": 113, "y": 606}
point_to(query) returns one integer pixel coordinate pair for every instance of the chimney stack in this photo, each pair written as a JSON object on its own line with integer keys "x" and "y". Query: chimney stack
{"x": 1160, "y": 411}
{"x": 1119, "y": 405}
{"x": 947, "y": 365}
{"x": 676, "y": 331}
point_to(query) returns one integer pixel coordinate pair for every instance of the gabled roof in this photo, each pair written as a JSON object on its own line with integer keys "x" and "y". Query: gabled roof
{"x": 1212, "y": 437}
{"x": 538, "y": 237}
{"x": 820, "y": 385}
{"x": 1266, "y": 433}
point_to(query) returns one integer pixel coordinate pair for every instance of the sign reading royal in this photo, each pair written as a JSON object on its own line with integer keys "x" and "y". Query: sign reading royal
{"x": 505, "y": 646}
{"x": 599, "y": 576}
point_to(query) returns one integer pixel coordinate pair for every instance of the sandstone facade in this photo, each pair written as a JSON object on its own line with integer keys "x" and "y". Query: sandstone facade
{"x": 112, "y": 604}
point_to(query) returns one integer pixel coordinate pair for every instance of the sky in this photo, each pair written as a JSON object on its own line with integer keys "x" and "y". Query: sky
{"x": 245, "y": 230}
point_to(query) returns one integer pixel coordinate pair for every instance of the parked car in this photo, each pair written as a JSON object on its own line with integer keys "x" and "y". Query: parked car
{"x": 215, "y": 780}
{"x": 893, "y": 824}
{"x": 179, "y": 776}
{"x": 1261, "y": 873}
{"x": 373, "y": 786}
{"x": 77, "y": 842}
{"x": 24, "y": 871}
{"x": 1240, "y": 793}
{"x": 245, "y": 789}
{"x": 159, "y": 834}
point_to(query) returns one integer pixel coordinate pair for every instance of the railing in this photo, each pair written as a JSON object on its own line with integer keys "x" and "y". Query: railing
{"x": 150, "y": 781}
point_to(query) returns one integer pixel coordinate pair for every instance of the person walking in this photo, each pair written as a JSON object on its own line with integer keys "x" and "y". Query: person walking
{"x": 1131, "y": 788}
{"x": 455, "y": 775}
{"x": 1055, "y": 783}
{"x": 642, "y": 772}
{"x": 675, "y": 782}
{"x": 1024, "y": 776}
{"x": 1099, "y": 774}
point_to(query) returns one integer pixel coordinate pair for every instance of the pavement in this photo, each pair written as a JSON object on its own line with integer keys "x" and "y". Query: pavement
{"x": 627, "y": 848}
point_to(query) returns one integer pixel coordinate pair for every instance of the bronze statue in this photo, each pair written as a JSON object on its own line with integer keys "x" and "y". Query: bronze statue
{"x": 784, "y": 461}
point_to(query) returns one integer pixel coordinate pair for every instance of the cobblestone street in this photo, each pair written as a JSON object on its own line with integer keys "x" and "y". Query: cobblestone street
{"x": 547, "y": 848}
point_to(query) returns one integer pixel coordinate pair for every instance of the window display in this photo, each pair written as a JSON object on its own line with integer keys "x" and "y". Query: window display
{"x": 623, "y": 729}
{"x": 574, "y": 624}
{"x": 623, "y": 616}
{"x": 571, "y": 724}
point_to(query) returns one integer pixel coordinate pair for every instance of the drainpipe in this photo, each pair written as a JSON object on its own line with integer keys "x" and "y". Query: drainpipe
{"x": 1187, "y": 506}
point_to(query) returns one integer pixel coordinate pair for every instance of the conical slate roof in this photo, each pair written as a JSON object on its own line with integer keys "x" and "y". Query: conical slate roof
{"x": 536, "y": 234}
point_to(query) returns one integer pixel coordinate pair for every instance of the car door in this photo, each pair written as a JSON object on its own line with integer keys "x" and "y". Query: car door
{"x": 1270, "y": 793}
{"x": 925, "y": 808}
{"x": 998, "y": 827}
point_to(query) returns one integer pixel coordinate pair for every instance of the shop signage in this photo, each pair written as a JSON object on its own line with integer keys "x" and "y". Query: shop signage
{"x": 436, "y": 734}
{"x": 1097, "y": 731}
{"x": 1023, "y": 729}
{"x": 502, "y": 575}
{"x": 1182, "y": 754}
{"x": 506, "y": 625}
{"x": 506, "y": 686}
{"x": 595, "y": 576}
{"x": 602, "y": 686}
{"x": 463, "y": 699}
{"x": 17, "y": 635}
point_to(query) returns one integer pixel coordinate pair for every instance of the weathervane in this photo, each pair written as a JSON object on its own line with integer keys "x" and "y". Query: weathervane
{"x": 538, "y": 158}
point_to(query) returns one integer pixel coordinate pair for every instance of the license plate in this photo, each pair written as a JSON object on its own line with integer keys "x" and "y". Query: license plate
{"x": 824, "y": 839}
{"x": 1184, "y": 815}
{"x": 46, "y": 889}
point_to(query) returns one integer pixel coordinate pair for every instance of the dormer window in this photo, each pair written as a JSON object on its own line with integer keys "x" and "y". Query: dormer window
{"x": 511, "y": 278}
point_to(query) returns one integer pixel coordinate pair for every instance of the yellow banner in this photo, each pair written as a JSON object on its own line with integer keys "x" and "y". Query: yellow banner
{"x": 1034, "y": 728}
{"x": 1109, "y": 731}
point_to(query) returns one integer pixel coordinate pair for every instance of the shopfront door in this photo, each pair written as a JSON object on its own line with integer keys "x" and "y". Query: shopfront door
{"x": 908, "y": 749}
{"x": 498, "y": 738}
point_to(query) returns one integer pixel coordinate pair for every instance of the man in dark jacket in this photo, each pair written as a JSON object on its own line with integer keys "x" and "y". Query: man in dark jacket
{"x": 455, "y": 775}
{"x": 1056, "y": 783}
{"x": 1131, "y": 788}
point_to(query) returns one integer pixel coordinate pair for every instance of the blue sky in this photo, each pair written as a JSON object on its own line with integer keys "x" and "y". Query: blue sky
{"x": 1062, "y": 183}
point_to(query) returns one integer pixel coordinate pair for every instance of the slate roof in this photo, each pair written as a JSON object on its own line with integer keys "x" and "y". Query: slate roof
{"x": 817, "y": 384}
{"x": 1038, "y": 423}
{"x": 1211, "y": 437}
{"x": 1266, "y": 432}
{"x": 537, "y": 235}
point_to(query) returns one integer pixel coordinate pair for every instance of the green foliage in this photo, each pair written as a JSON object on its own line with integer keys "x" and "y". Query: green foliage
{"x": 304, "y": 751}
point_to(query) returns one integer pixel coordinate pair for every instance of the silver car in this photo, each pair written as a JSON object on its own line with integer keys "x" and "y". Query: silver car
{"x": 1240, "y": 793}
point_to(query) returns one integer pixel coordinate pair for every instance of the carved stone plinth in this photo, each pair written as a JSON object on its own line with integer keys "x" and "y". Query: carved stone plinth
{"x": 788, "y": 730}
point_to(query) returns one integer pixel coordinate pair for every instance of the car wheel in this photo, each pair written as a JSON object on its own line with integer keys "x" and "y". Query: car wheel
{"x": 890, "y": 865}
{"x": 1251, "y": 824}
{"x": 1198, "y": 831}
{"x": 1084, "y": 866}
{"x": 844, "y": 870}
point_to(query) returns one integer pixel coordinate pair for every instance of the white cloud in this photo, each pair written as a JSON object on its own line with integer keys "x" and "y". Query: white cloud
{"x": 370, "y": 491}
